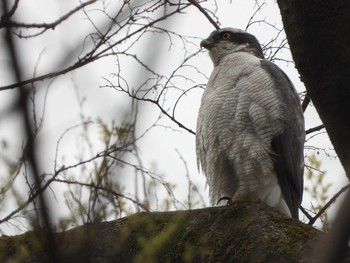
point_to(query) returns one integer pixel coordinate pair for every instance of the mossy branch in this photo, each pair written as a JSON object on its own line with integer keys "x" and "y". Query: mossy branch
{"x": 242, "y": 232}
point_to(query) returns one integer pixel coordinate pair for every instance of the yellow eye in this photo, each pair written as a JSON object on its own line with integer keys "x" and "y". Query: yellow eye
{"x": 226, "y": 36}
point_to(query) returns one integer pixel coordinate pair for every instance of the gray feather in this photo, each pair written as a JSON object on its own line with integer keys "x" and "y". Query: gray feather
{"x": 288, "y": 147}
{"x": 250, "y": 128}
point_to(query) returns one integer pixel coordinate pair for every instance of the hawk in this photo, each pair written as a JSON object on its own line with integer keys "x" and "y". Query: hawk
{"x": 250, "y": 129}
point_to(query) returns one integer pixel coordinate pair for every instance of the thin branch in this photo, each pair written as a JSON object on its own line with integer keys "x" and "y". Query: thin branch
{"x": 306, "y": 213}
{"x": 88, "y": 58}
{"x": 63, "y": 168}
{"x": 44, "y": 217}
{"x": 51, "y": 75}
{"x": 8, "y": 14}
{"x": 46, "y": 26}
{"x": 172, "y": 118}
{"x": 305, "y": 103}
{"x": 317, "y": 128}
{"x": 202, "y": 10}
{"x": 253, "y": 16}
{"x": 108, "y": 190}
{"x": 328, "y": 204}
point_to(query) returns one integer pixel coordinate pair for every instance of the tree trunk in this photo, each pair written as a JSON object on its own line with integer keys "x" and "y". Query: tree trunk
{"x": 242, "y": 232}
{"x": 318, "y": 33}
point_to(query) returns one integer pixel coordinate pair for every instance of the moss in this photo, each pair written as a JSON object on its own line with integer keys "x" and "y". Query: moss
{"x": 237, "y": 233}
{"x": 292, "y": 242}
{"x": 18, "y": 248}
{"x": 161, "y": 243}
{"x": 149, "y": 236}
{"x": 212, "y": 240}
{"x": 188, "y": 253}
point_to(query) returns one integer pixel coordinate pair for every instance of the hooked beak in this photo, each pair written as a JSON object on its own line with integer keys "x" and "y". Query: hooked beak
{"x": 206, "y": 43}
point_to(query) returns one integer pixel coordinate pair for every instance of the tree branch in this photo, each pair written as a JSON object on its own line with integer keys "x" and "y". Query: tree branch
{"x": 46, "y": 26}
{"x": 205, "y": 13}
{"x": 306, "y": 102}
{"x": 328, "y": 204}
{"x": 43, "y": 219}
{"x": 89, "y": 57}
{"x": 317, "y": 128}
{"x": 203, "y": 235}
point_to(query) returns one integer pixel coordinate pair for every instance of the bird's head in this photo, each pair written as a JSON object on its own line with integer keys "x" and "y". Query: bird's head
{"x": 228, "y": 40}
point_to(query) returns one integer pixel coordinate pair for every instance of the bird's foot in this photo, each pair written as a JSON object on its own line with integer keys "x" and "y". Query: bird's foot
{"x": 228, "y": 199}
{"x": 237, "y": 199}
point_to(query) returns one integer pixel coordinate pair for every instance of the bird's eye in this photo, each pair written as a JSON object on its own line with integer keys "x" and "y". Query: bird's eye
{"x": 226, "y": 36}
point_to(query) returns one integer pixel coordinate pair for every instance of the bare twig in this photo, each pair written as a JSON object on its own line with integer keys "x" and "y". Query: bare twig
{"x": 155, "y": 102}
{"x": 90, "y": 57}
{"x": 328, "y": 204}
{"x": 44, "y": 217}
{"x": 202, "y": 10}
{"x": 305, "y": 103}
{"x": 45, "y": 26}
{"x": 250, "y": 21}
{"x": 306, "y": 213}
{"x": 106, "y": 189}
{"x": 63, "y": 169}
{"x": 317, "y": 128}
{"x": 8, "y": 13}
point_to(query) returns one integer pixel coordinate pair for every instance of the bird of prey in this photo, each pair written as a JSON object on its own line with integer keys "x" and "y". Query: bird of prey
{"x": 250, "y": 128}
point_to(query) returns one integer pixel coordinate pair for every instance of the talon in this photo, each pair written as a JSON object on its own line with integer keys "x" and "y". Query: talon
{"x": 228, "y": 199}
